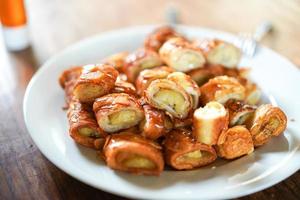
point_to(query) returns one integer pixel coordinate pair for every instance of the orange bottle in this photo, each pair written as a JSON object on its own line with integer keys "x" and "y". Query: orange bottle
{"x": 13, "y": 19}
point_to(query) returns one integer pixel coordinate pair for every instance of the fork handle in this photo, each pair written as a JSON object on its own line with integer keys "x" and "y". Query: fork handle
{"x": 263, "y": 29}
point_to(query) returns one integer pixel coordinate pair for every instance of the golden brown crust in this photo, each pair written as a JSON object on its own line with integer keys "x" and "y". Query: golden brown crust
{"x": 148, "y": 75}
{"x": 180, "y": 142}
{"x": 67, "y": 81}
{"x": 181, "y": 55}
{"x": 155, "y": 124}
{"x": 168, "y": 104}
{"x": 268, "y": 121}
{"x": 139, "y": 60}
{"x": 234, "y": 143}
{"x": 219, "y": 52}
{"x": 202, "y": 75}
{"x": 105, "y": 106}
{"x": 119, "y": 148}
{"x": 81, "y": 116}
{"x": 95, "y": 81}
{"x": 159, "y": 36}
{"x": 117, "y": 60}
{"x": 239, "y": 112}
{"x": 122, "y": 86}
{"x": 182, "y": 123}
{"x": 69, "y": 74}
{"x": 221, "y": 89}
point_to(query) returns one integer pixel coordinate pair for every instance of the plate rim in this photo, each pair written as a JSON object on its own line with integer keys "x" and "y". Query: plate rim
{"x": 292, "y": 168}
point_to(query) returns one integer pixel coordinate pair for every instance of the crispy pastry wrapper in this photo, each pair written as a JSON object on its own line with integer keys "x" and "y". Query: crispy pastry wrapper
{"x": 221, "y": 89}
{"x": 188, "y": 84}
{"x": 268, "y": 121}
{"x": 67, "y": 80}
{"x": 155, "y": 124}
{"x": 166, "y": 95}
{"x": 148, "y": 75}
{"x": 95, "y": 81}
{"x": 218, "y": 52}
{"x": 122, "y": 86}
{"x": 209, "y": 122}
{"x": 69, "y": 75}
{"x": 117, "y": 111}
{"x": 134, "y": 154}
{"x": 234, "y": 143}
{"x": 83, "y": 126}
{"x": 117, "y": 60}
{"x": 159, "y": 36}
{"x": 181, "y": 55}
{"x": 239, "y": 112}
{"x": 139, "y": 60}
{"x": 202, "y": 75}
{"x": 183, "y": 152}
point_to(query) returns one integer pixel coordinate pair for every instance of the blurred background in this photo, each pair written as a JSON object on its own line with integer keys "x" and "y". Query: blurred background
{"x": 55, "y": 24}
{"x": 48, "y": 26}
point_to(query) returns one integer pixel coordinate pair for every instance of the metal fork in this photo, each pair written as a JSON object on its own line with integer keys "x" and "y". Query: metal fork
{"x": 249, "y": 42}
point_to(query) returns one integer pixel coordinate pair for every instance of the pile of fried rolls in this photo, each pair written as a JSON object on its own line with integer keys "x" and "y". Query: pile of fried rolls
{"x": 174, "y": 101}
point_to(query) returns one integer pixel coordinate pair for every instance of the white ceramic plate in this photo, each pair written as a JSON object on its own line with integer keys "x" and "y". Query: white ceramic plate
{"x": 48, "y": 127}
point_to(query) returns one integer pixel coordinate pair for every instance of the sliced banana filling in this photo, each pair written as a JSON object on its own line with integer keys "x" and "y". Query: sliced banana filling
{"x": 88, "y": 132}
{"x": 241, "y": 118}
{"x": 124, "y": 118}
{"x": 150, "y": 63}
{"x": 271, "y": 126}
{"x": 190, "y": 157}
{"x": 171, "y": 99}
{"x": 87, "y": 91}
{"x": 137, "y": 161}
{"x": 224, "y": 54}
{"x": 185, "y": 60}
{"x": 188, "y": 85}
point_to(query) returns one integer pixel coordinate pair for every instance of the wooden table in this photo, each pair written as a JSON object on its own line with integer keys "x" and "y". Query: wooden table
{"x": 24, "y": 172}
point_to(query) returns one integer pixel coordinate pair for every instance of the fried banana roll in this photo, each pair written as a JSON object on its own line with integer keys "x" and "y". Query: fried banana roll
{"x": 234, "y": 143}
{"x": 139, "y": 60}
{"x": 122, "y": 86}
{"x": 268, "y": 121}
{"x": 159, "y": 36}
{"x": 239, "y": 112}
{"x": 221, "y": 89}
{"x": 155, "y": 124}
{"x": 209, "y": 122}
{"x": 117, "y": 60}
{"x": 181, "y": 55}
{"x": 83, "y": 125}
{"x": 183, "y": 152}
{"x": 117, "y": 111}
{"x": 202, "y": 75}
{"x": 148, "y": 75}
{"x": 67, "y": 80}
{"x": 220, "y": 52}
{"x": 166, "y": 95}
{"x": 95, "y": 81}
{"x": 188, "y": 84}
{"x": 132, "y": 153}
{"x": 69, "y": 75}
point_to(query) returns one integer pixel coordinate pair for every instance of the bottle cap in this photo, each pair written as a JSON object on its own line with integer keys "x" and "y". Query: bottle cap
{"x": 16, "y": 38}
